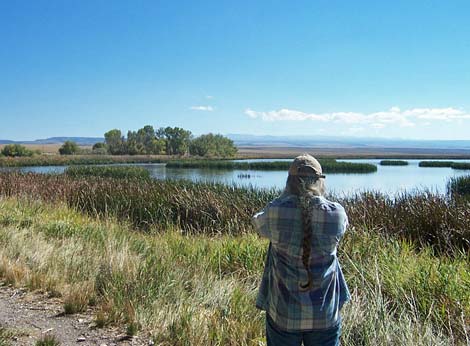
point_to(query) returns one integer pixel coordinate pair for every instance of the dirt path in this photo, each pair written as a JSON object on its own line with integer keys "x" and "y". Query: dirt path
{"x": 31, "y": 315}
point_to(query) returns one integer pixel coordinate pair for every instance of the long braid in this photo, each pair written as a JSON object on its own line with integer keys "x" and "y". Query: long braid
{"x": 304, "y": 200}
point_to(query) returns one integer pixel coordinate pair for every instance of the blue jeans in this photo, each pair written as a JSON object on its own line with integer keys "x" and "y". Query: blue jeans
{"x": 323, "y": 337}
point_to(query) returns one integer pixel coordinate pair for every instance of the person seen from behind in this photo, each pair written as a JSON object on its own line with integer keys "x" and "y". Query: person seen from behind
{"x": 302, "y": 288}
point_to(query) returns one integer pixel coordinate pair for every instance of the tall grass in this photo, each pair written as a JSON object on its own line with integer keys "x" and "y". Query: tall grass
{"x": 328, "y": 165}
{"x": 118, "y": 172}
{"x": 393, "y": 163}
{"x": 423, "y": 218}
{"x": 200, "y": 290}
{"x": 459, "y": 187}
{"x": 64, "y": 160}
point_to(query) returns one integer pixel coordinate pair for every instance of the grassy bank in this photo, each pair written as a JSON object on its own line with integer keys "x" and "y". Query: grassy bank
{"x": 65, "y": 160}
{"x": 200, "y": 289}
{"x": 153, "y": 205}
{"x": 328, "y": 165}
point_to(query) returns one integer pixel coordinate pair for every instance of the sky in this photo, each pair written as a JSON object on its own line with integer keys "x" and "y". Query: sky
{"x": 395, "y": 69}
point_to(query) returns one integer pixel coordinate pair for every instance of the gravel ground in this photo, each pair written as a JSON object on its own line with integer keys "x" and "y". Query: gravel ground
{"x": 31, "y": 315}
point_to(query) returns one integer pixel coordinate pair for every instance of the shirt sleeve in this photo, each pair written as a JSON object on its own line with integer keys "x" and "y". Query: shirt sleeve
{"x": 261, "y": 222}
{"x": 343, "y": 221}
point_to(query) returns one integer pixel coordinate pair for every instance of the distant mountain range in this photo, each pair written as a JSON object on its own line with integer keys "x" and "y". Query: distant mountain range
{"x": 344, "y": 142}
{"x": 58, "y": 140}
{"x": 292, "y": 141}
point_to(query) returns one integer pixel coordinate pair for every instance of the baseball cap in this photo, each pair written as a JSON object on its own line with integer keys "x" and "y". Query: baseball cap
{"x": 306, "y": 165}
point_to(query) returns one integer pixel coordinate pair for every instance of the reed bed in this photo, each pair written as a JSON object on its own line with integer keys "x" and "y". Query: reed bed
{"x": 459, "y": 187}
{"x": 393, "y": 163}
{"x": 66, "y": 160}
{"x": 451, "y": 164}
{"x": 461, "y": 165}
{"x": 328, "y": 165}
{"x": 118, "y": 172}
{"x": 200, "y": 290}
{"x": 435, "y": 163}
{"x": 424, "y": 218}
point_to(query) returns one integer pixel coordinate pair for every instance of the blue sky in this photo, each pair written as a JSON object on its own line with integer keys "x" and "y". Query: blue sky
{"x": 347, "y": 68}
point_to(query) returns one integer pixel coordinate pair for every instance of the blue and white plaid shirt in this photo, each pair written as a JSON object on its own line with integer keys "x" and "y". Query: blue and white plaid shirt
{"x": 280, "y": 295}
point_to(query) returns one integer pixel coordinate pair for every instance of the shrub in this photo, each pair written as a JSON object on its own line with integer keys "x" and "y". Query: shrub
{"x": 16, "y": 150}
{"x": 69, "y": 148}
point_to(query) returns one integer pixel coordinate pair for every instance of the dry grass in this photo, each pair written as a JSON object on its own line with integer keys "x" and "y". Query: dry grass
{"x": 47, "y": 148}
{"x": 278, "y": 152}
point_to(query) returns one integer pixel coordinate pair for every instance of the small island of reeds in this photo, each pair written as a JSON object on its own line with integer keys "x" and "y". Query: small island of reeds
{"x": 393, "y": 163}
{"x": 448, "y": 164}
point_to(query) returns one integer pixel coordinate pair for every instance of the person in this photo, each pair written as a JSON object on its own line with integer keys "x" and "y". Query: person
{"x": 302, "y": 288}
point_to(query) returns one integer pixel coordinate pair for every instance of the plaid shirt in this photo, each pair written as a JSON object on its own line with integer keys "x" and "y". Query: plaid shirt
{"x": 280, "y": 295}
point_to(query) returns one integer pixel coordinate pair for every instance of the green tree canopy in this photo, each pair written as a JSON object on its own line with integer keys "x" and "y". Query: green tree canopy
{"x": 211, "y": 145}
{"x": 115, "y": 142}
{"x": 69, "y": 148}
{"x": 177, "y": 140}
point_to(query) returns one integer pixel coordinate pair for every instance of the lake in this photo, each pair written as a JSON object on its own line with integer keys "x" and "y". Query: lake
{"x": 387, "y": 179}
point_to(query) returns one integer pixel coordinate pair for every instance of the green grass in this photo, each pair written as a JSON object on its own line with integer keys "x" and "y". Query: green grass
{"x": 328, "y": 165}
{"x": 119, "y": 172}
{"x": 201, "y": 289}
{"x": 5, "y": 336}
{"x": 393, "y": 163}
{"x": 47, "y": 340}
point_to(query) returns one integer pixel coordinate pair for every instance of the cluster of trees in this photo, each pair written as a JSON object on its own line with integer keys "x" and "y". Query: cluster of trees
{"x": 16, "y": 150}
{"x": 165, "y": 140}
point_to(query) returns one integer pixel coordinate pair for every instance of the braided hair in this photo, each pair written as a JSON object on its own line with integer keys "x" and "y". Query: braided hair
{"x": 305, "y": 187}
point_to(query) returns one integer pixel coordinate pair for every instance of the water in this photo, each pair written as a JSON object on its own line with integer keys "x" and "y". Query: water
{"x": 387, "y": 179}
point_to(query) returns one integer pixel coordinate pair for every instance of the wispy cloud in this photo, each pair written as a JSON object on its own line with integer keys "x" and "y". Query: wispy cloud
{"x": 378, "y": 120}
{"x": 202, "y": 108}
{"x": 209, "y": 97}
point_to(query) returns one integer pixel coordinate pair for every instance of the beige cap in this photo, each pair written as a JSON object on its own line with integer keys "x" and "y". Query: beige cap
{"x": 306, "y": 165}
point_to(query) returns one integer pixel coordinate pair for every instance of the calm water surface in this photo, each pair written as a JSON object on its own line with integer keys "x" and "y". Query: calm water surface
{"x": 387, "y": 179}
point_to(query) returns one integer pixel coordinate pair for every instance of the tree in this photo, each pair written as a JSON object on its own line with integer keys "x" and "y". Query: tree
{"x": 115, "y": 142}
{"x": 146, "y": 136}
{"x": 68, "y": 148}
{"x": 15, "y": 150}
{"x": 99, "y": 148}
{"x": 177, "y": 140}
{"x": 99, "y": 145}
{"x": 212, "y": 145}
{"x": 133, "y": 145}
